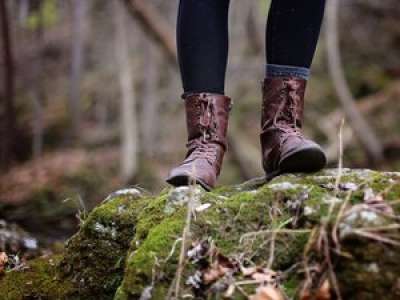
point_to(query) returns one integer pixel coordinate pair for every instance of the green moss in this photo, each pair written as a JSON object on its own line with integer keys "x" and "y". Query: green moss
{"x": 156, "y": 247}
{"x": 41, "y": 280}
{"x": 151, "y": 215}
{"x": 123, "y": 244}
{"x": 95, "y": 256}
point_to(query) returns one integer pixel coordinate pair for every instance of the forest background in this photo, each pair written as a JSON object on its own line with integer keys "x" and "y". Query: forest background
{"x": 90, "y": 100}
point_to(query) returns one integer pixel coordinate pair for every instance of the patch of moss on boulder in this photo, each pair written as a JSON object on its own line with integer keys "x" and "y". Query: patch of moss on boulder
{"x": 130, "y": 245}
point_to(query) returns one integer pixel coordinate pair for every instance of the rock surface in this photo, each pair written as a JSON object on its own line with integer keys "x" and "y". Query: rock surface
{"x": 297, "y": 236}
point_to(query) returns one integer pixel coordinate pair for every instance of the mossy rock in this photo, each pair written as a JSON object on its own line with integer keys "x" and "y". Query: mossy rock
{"x": 130, "y": 245}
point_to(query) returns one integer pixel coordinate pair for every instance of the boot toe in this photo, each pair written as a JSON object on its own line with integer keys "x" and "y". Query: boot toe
{"x": 306, "y": 158}
{"x": 182, "y": 176}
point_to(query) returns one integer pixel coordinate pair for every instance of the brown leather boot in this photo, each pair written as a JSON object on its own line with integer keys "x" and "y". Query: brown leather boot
{"x": 284, "y": 148}
{"x": 207, "y": 122}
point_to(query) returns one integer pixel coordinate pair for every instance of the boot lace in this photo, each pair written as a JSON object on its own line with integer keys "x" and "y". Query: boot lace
{"x": 201, "y": 147}
{"x": 286, "y": 117}
{"x": 208, "y": 126}
{"x": 203, "y": 150}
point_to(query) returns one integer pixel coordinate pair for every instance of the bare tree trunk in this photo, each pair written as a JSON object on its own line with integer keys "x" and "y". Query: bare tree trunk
{"x": 371, "y": 144}
{"x": 150, "y": 99}
{"x": 78, "y": 16}
{"x": 38, "y": 93}
{"x": 8, "y": 128}
{"x": 129, "y": 132}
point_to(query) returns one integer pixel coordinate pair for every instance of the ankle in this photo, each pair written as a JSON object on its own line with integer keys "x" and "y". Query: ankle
{"x": 274, "y": 71}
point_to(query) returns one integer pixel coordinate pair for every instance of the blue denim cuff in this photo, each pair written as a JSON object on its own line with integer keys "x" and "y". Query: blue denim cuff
{"x": 272, "y": 70}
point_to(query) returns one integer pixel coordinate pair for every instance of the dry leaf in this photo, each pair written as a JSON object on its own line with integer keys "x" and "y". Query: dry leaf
{"x": 221, "y": 266}
{"x": 3, "y": 261}
{"x": 323, "y": 293}
{"x": 213, "y": 274}
{"x": 267, "y": 293}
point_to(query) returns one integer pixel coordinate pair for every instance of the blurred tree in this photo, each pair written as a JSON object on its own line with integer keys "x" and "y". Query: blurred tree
{"x": 38, "y": 92}
{"x": 77, "y": 58}
{"x": 129, "y": 131}
{"x": 366, "y": 135}
{"x": 8, "y": 128}
{"x": 150, "y": 99}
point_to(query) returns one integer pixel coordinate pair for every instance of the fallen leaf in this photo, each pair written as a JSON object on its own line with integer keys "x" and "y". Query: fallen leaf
{"x": 323, "y": 293}
{"x": 218, "y": 268}
{"x": 213, "y": 274}
{"x": 267, "y": 293}
{"x": 3, "y": 261}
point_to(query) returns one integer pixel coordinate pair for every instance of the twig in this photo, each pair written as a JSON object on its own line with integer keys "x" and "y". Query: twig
{"x": 340, "y": 157}
{"x": 185, "y": 234}
{"x": 270, "y": 231}
{"x": 382, "y": 228}
{"x": 338, "y": 218}
{"x": 307, "y": 249}
{"x": 332, "y": 274}
{"x": 272, "y": 244}
{"x": 172, "y": 249}
{"x": 375, "y": 237}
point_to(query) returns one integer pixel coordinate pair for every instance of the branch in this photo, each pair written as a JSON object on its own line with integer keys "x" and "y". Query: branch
{"x": 369, "y": 140}
{"x": 155, "y": 25}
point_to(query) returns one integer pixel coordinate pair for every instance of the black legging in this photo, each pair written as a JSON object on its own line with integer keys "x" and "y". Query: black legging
{"x": 202, "y": 36}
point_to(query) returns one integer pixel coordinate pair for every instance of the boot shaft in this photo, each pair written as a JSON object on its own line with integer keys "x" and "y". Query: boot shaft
{"x": 283, "y": 101}
{"x": 207, "y": 117}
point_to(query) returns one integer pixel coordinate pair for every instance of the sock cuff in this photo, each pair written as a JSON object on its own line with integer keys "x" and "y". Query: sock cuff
{"x": 273, "y": 70}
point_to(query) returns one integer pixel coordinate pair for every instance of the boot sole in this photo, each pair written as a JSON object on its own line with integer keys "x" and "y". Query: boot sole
{"x": 185, "y": 180}
{"x": 303, "y": 160}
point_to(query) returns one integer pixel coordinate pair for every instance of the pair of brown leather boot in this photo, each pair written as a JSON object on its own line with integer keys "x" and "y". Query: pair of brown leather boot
{"x": 284, "y": 148}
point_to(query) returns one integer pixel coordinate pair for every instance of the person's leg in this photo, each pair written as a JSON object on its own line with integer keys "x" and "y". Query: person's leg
{"x": 202, "y": 40}
{"x": 292, "y": 33}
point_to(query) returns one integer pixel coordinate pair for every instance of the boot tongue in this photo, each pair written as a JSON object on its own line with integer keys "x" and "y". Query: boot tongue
{"x": 287, "y": 111}
{"x": 283, "y": 102}
{"x": 207, "y": 117}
